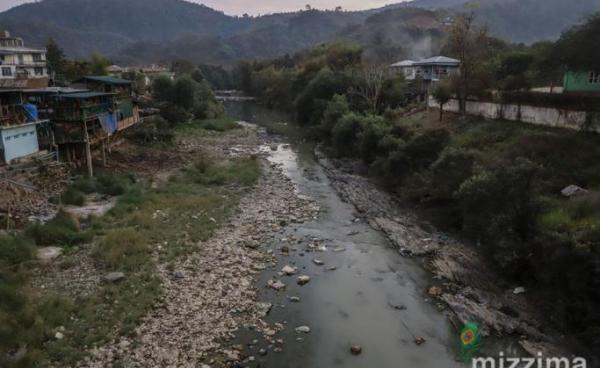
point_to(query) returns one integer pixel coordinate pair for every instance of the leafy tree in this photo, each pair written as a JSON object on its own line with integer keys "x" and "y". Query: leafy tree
{"x": 336, "y": 109}
{"x": 55, "y": 58}
{"x": 183, "y": 92}
{"x": 312, "y": 101}
{"x": 162, "y": 89}
{"x": 453, "y": 167}
{"x": 99, "y": 64}
{"x": 442, "y": 93}
{"x": 374, "y": 128}
{"x": 577, "y": 49}
{"x": 345, "y": 133}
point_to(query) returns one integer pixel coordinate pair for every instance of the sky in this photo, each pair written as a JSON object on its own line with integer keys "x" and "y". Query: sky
{"x": 254, "y": 7}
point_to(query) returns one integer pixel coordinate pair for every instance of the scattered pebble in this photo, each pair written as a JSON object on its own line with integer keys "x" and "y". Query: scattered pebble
{"x": 356, "y": 349}
{"x": 303, "y": 280}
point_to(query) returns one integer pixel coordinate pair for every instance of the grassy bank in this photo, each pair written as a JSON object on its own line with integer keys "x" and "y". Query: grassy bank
{"x": 148, "y": 226}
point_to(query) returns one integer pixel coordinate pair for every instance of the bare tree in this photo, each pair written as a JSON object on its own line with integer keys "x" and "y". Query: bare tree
{"x": 369, "y": 86}
{"x": 470, "y": 44}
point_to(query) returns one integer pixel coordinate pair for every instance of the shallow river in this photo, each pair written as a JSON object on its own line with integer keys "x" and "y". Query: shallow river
{"x": 374, "y": 298}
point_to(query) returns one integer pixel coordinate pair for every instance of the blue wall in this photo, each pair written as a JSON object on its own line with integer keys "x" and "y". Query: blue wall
{"x": 18, "y": 141}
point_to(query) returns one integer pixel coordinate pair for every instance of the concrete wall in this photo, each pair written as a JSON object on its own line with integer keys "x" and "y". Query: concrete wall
{"x": 528, "y": 114}
{"x": 18, "y": 141}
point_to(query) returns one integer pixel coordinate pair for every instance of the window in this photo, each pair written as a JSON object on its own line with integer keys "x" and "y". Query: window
{"x": 37, "y": 58}
{"x": 6, "y": 72}
{"x": 594, "y": 78}
{"x": 21, "y": 59}
{"x": 38, "y": 71}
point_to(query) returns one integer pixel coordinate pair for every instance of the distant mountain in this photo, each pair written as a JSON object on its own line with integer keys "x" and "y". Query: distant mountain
{"x": 132, "y": 31}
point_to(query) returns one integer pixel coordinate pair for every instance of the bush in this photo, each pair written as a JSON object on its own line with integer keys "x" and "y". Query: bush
{"x": 14, "y": 250}
{"x": 345, "y": 133}
{"x": 499, "y": 210}
{"x": 154, "y": 130}
{"x": 243, "y": 172}
{"x": 174, "y": 114}
{"x": 374, "y": 129}
{"x": 73, "y": 197}
{"x": 453, "y": 168}
{"x": 61, "y": 230}
{"x": 336, "y": 109}
{"x": 425, "y": 148}
{"x": 122, "y": 249}
{"x": 217, "y": 125}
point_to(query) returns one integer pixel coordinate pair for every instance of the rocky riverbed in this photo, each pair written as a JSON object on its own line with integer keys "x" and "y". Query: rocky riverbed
{"x": 209, "y": 294}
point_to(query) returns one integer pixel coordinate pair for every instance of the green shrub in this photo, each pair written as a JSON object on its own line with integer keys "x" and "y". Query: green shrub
{"x": 174, "y": 114}
{"x": 73, "y": 197}
{"x": 15, "y": 249}
{"x": 345, "y": 133}
{"x": 154, "y": 130}
{"x": 336, "y": 109}
{"x": 374, "y": 128}
{"x": 243, "y": 172}
{"x": 450, "y": 170}
{"x": 61, "y": 230}
{"x": 425, "y": 148}
{"x": 123, "y": 249}
{"x": 217, "y": 125}
{"x": 499, "y": 210}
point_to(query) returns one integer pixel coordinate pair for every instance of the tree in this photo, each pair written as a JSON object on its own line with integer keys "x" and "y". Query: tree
{"x": 370, "y": 86}
{"x": 470, "y": 44}
{"x": 442, "y": 94}
{"x": 55, "y": 59}
{"x": 577, "y": 49}
{"x": 162, "y": 89}
{"x": 99, "y": 64}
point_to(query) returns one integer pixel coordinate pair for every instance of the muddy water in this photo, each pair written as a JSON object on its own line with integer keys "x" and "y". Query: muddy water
{"x": 374, "y": 298}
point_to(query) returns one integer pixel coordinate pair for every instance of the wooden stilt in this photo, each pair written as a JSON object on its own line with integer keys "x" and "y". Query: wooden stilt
{"x": 103, "y": 148}
{"x": 88, "y": 151}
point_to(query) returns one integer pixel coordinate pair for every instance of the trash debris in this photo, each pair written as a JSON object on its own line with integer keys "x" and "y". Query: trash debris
{"x": 302, "y": 329}
{"x": 275, "y": 285}
{"x": 572, "y": 190}
{"x": 519, "y": 290}
{"x": 356, "y": 349}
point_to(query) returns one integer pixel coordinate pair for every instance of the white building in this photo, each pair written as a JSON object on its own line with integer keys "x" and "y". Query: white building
{"x": 21, "y": 66}
{"x": 432, "y": 69}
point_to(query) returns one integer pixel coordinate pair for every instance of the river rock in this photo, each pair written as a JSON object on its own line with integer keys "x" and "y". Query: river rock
{"x": 289, "y": 270}
{"x": 419, "y": 340}
{"x": 318, "y": 262}
{"x": 262, "y": 352}
{"x": 356, "y": 349}
{"x": 435, "y": 291}
{"x": 59, "y": 336}
{"x": 302, "y": 329}
{"x": 294, "y": 299}
{"x": 114, "y": 276}
{"x": 275, "y": 284}
{"x": 303, "y": 280}
{"x": 48, "y": 254}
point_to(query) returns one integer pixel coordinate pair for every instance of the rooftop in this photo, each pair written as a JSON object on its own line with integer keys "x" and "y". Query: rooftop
{"x": 84, "y": 95}
{"x": 438, "y": 60}
{"x": 403, "y": 63}
{"x": 105, "y": 79}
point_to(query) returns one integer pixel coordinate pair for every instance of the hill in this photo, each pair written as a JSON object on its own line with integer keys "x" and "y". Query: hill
{"x": 153, "y": 30}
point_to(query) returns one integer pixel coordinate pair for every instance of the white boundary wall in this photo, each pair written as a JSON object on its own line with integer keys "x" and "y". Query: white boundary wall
{"x": 546, "y": 116}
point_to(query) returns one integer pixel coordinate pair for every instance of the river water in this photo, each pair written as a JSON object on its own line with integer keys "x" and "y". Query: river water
{"x": 374, "y": 298}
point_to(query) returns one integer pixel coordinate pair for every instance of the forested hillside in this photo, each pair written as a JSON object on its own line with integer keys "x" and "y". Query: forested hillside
{"x": 136, "y": 31}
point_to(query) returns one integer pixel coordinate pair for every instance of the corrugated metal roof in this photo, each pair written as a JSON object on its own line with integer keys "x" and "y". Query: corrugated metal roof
{"x": 57, "y": 90}
{"x": 82, "y": 95}
{"x": 106, "y": 79}
{"x": 403, "y": 63}
{"x": 438, "y": 60}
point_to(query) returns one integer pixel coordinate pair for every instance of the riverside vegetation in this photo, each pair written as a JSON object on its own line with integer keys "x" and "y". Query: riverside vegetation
{"x": 498, "y": 183}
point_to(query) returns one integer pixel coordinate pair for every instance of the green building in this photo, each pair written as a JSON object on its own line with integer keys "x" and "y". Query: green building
{"x": 582, "y": 82}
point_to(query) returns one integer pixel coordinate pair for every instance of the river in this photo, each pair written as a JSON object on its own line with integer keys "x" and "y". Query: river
{"x": 374, "y": 298}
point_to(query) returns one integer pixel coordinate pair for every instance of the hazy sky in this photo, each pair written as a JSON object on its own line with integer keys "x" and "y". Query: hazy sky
{"x": 262, "y": 6}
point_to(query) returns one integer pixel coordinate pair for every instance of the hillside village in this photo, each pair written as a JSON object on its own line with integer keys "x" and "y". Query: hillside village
{"x": 169, "y": 212}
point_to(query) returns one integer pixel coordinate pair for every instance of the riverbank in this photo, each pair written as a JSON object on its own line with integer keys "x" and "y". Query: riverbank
{"x": 467, "y": 286}
{"x": 164, "y": 274}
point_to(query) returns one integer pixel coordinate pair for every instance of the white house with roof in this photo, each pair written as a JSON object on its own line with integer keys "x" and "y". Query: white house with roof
{"x": 432, "y": 69}
{"x": 21, "y": 66}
